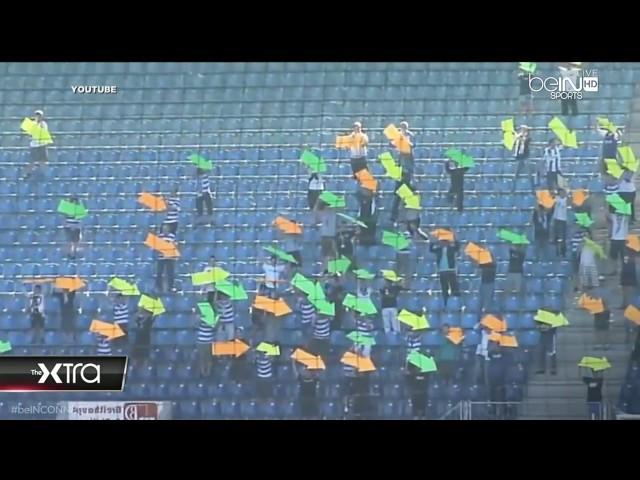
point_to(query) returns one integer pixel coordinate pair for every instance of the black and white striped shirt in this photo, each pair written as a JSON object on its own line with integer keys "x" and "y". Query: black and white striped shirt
{"x": 104, "y": 345}
{"x": 72, "y": 222}
{"x": 264, "y": 366}
{"x": 121, "y": 313}
{"x": 322, "y": 327}
{"x": 552, "y": 159}
{"x": 414, "y": 340}
{"x": 576, "y": 240}
{"x": 203, "y": 185}
{"x": 307, "y": 311}
{"x": 173, "y": 210}
{"x": 169, "y": 237}
{"x": 225, "y": 310}
{"x": 206, "y": 333}
{"x": 611, "y": 188}
{"x": 363, "y": 325}
{"x": 521, "y": 147}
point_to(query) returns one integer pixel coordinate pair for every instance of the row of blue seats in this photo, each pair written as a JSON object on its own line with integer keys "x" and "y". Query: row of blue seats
{"x": 414, "y": 76}
{"x": 185, "y": 332}
{"x": 319, "y": 92}
{"x": 325, "y": 106}
{"x": 282, "y": 174}
{"x": 153, "y": 69}
{"x": 209, "y": 127}
{"x": 97, "y": 159}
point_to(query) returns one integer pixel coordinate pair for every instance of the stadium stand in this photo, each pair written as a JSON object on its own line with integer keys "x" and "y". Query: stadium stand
{"x": 253, "y": 120}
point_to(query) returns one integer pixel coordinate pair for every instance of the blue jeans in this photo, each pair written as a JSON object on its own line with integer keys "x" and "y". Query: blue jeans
{"x": 595, "y": 410}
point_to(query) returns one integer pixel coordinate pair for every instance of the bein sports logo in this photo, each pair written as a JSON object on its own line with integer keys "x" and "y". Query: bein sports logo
{"x": 568, "y": 87}
{"x": 84, "y": 372}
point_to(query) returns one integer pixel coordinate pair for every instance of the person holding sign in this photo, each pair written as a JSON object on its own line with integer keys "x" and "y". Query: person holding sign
{"x": 166, "y": 264}
{"x": 610, "y": 140}
{"x": 72, "y": 230}
{"x": 553, "y": 165}
{"x": 358, "y": 149}
{"x": 569, "y": 81}
{"x": 40, "y": 138}
{"x": 203, "y": 192}
{"x": 456, "y": 189}
{"x": 521, "y": 154}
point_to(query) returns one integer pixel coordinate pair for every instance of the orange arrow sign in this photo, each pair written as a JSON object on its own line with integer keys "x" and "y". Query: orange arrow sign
{"x": 234, "y": 347}
{"x": 167, "y": 249}
{"x": 69, "y": 283}
{"x": 632, "y": 313}
{"x": 366, "y": 180}
{"x": 493, "y": 323}
{"x": 593, "y": 305}
{"x": 287, "y": 226}
{"x": 360, "y": 363}
{"x": 154, "y": 202}
{"x": 477, "y": 253}
{"x": 442, "y": 234}
{"x": 455, "y": 335}
{"x": 109, "y": 330}
{"x": 278, "y": 307}
{"x": 579, "y": 196}
{"x": 312, "y": 362}
{"x": 633, "y": 242}
{"x": 545, "y": 199}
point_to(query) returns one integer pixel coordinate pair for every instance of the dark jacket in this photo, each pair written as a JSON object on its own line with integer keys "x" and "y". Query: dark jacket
{"x": 539, "y": 230}
{"x": 452, "y": 252}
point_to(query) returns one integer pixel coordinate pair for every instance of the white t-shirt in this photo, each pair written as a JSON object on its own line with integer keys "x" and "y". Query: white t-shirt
{"x": 316, "y": 184}
{"x": 361, "y": 150}
{"x": 619, "y": 227}
{"x": 560, "y": 209}
{"x": 37, "y": 143}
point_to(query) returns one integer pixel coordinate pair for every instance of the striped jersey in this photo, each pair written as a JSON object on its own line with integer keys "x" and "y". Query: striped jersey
{"x": 36, "y": 303}
{"x": 225, "y": 311}
{"x": 611, "y": 188}
{"x": 206, "y": 333}
{"x": 169, "y": 237}
{"x": 414, "y": 340}
{"x": 348, "y": 370}
{"x": 363, "y": 325}
{"x": 72, "y": 222}
{"x": 322, "y": 327}
{"x": 203, "y": 184}
{"x": 104, "y": 345}
{"x": 121, "y": 313}
{"x": 576, "y": 240}
{"x": 264, "y": 366}
{"x": 173, "y": 209}
{"x": 307, "y": 311}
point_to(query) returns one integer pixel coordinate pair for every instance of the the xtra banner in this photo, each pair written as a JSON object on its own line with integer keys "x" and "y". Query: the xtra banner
{"x": 60, "y": 374}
